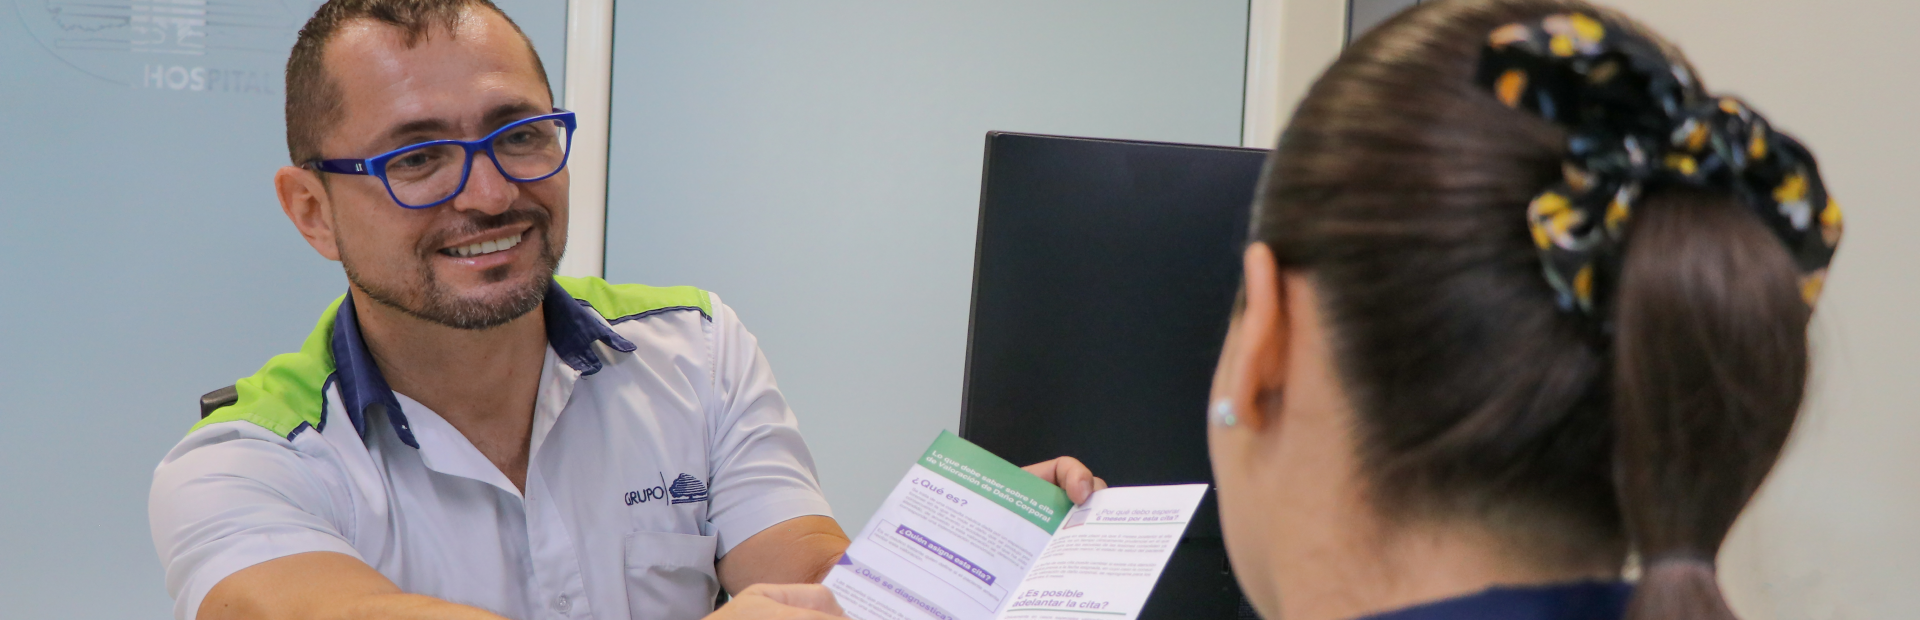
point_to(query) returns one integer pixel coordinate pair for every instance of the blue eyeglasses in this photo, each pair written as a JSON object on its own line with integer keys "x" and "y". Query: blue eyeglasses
{"x": 424, "y": 175}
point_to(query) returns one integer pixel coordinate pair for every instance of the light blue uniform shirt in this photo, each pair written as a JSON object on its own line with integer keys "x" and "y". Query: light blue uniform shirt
{"x": 659, "y": 442}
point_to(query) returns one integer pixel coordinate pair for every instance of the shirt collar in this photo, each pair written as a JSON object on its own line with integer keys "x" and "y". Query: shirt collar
{"x": 572, "y": 328}
{"x": 1586, "y": 600}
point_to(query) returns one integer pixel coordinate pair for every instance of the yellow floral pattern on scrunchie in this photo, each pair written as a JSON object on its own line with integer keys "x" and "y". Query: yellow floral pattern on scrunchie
{"x": 1635, "y": 118}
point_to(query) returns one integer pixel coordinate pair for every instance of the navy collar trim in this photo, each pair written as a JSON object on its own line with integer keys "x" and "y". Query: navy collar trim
{"x": 358, "y": 377}
{"x": 1586, "y": 600}
{"x": 572, "y": 328}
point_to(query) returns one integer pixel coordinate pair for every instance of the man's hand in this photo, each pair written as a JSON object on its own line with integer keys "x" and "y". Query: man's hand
{"x": 1068, "y": 473}
{"x": 803, "y": 549}
{"x": 780, "y": 602}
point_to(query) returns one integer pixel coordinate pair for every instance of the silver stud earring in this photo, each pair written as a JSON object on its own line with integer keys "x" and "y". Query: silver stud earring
{"x": 1221, "y": 413}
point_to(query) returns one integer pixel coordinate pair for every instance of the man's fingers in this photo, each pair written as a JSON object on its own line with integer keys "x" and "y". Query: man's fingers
{"x": 1069, "y": 474}
{"x": 805, "y": 596}
{"x": 1042, "y": 469}
{"x": 1075, "y": 478}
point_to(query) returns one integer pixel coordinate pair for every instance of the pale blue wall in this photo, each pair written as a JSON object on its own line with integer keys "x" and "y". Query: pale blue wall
{"x": 818, "y": 165}
{"x": 143, "y": 261}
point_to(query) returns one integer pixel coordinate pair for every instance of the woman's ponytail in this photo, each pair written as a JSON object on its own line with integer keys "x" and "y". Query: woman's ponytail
{"x": 1709, "y": 366}
{"x": 1695, "y": 237}
{"x": 1569, "y": 287}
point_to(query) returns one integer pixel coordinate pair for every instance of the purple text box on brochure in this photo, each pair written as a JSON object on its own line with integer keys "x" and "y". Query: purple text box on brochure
{"x": 945, "y": 554}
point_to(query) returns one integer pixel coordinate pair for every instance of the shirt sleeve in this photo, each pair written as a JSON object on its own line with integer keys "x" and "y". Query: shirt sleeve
{"x": 230, "y": 496}
{"x": 762, "y": 471}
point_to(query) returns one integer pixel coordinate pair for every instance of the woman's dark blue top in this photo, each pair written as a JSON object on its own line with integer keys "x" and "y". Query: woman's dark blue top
{"x": 1587, "y": 600}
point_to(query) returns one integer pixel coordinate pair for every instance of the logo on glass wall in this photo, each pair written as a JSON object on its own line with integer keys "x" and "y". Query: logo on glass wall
{"x": 231, "y": 46}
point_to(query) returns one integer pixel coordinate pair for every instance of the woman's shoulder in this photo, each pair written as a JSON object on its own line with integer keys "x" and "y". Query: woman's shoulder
{"x": 1586, "y": 600}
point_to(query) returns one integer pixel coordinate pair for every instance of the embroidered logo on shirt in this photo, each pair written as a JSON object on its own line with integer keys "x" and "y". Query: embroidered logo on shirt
{"x": 685, "y": 489}
{"x": 688, "y": 489}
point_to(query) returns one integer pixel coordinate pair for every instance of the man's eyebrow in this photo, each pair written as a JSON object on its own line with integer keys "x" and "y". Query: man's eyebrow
{"x": 509, "y": 112}
{"x": 499, "y": 115}
{"x": 419, "y": 126}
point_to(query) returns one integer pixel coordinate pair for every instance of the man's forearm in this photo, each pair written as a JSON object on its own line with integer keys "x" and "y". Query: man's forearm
{"x": 827, "y": 549}
{"x": 322, "y": 586}
{"x": 800, "y": 550}
{"x": 403, "y": 606}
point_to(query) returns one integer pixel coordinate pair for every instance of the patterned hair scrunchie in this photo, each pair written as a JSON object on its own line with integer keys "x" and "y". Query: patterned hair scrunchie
{"x": 1635, "y": 117}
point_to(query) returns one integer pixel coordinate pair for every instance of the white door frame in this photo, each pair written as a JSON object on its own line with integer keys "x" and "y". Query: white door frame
{"x": 588, "y": 95}
{"x": 1289, "y": 42}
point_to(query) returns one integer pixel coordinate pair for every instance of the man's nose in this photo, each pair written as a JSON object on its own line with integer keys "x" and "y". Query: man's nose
{"x": 487, "y": 190}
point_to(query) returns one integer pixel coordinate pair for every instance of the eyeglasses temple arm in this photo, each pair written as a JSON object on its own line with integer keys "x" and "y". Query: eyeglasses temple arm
{"x": 342, "y": 166}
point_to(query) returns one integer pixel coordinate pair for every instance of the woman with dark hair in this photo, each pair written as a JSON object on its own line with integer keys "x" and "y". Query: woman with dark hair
{"x": 1525, "y": 311}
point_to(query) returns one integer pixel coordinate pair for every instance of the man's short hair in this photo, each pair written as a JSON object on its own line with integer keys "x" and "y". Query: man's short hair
{"x": 314, "y": 100}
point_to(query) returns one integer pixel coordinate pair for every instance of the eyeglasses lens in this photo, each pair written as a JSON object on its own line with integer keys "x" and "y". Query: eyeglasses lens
{"x": 532, "y": 150}
{"x": 426, "y": 174}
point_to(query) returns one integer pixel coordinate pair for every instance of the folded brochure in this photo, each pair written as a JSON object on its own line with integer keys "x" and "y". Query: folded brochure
{"x": 967, "y": 535}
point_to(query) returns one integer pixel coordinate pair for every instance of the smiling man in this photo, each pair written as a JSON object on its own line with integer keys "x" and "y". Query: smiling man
{"x": 463, "y": 434}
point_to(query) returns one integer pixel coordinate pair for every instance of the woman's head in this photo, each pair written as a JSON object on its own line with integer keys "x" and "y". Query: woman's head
{"x": 1402, "y": 351}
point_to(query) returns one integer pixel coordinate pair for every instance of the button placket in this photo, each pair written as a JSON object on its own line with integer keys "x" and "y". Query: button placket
{"x": 556, "y": 561}
{"x": 556, "y": 565}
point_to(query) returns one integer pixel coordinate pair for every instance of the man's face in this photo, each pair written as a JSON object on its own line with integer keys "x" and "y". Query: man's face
{"x": 458, "y": 263}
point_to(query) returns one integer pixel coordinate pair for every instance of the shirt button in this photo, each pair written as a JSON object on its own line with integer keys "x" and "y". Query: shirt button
{"x": 562, "y": 603}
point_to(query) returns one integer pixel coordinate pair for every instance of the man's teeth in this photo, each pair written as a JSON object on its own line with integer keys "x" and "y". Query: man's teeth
{"x": 484, "y": 247}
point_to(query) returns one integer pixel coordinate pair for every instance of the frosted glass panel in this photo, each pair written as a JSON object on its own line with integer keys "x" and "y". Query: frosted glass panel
{"x": 817, "y": 164}
{"x": 144, "y": 261}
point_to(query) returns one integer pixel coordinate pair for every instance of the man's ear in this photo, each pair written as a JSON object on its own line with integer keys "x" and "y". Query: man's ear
{"x": 303, "y": 197}
{"x": 1253, "y": 362}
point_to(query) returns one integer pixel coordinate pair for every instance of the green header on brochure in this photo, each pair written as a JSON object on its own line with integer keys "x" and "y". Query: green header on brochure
{"x": 1003, "y": 483}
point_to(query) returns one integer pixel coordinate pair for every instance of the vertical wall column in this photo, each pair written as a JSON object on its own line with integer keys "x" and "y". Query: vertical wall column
{"x": 588, "y": 86}
{"x": 1265, "y": 24}
{"x": 1289, "y": 42}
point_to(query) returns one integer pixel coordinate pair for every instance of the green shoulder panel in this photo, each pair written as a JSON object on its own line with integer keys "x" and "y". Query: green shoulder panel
{"x": 613, "y": 301}
{"x": 288, "y": 390}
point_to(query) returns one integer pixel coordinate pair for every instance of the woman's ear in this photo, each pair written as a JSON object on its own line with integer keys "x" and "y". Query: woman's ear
{"x": 1254, "y": 358}
{"x": 303, "y": 197}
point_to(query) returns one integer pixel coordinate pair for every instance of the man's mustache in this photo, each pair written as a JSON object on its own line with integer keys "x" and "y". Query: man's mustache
{"x": 473, "y": 223}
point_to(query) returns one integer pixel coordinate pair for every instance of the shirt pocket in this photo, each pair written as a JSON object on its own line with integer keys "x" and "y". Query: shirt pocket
{"x": 670, "y": 576}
